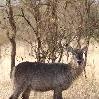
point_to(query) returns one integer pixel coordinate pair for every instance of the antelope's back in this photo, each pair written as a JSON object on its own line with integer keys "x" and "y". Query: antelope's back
{"x": 27, "y": 68}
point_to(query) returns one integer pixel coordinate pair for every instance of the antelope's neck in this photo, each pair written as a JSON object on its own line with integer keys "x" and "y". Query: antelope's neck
{"x": 76, "y": 72}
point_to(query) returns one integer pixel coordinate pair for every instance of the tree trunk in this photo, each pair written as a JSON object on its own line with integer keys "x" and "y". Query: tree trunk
{"x": 12, "y": 38}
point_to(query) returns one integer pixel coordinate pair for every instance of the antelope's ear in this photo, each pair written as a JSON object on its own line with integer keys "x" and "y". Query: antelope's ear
{"x": 69, "y": 49}
{"x": 84, "y": 49}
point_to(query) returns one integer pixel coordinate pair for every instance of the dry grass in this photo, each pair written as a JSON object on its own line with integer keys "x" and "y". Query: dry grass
{"x": 81, "y": 88}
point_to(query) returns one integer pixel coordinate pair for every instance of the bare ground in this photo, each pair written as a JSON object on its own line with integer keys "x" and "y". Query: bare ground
{"x": 81, "y": 89}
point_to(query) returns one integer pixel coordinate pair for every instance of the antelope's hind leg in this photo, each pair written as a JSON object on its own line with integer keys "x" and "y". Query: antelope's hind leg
{"x": 18, "y": 90}
{"x": 16, "y": 93}
{"x": 26, "y": 93}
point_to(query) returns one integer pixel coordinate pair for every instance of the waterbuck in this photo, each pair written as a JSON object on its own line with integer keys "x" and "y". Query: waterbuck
{"x": 43, "y": 77}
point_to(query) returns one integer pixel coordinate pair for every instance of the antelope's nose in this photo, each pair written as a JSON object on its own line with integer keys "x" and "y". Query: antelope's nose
{"x": 79, "y": 62}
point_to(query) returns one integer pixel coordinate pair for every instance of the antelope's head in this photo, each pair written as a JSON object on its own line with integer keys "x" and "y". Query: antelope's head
{"x": 77, "y": 53}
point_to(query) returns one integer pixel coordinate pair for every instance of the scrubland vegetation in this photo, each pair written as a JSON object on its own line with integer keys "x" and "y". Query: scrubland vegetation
{"x": 38, "y": 30}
